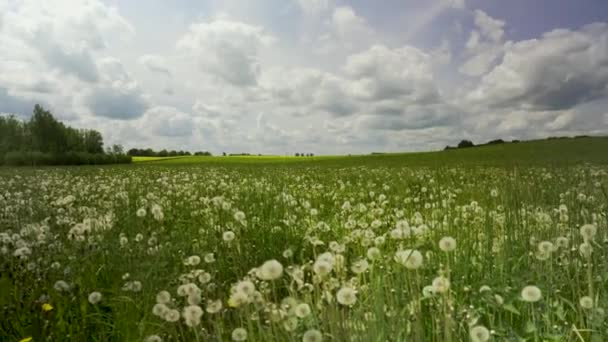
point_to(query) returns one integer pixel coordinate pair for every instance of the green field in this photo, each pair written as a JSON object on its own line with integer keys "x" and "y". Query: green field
{"x": 495, "y": 243}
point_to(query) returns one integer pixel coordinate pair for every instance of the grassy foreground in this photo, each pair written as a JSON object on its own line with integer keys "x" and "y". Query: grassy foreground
{"x": 497, "y": 243}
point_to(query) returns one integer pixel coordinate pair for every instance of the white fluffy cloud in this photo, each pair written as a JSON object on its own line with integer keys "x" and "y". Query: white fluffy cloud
{"x": 227, "y": 49}
{"x": 562, "y": 69}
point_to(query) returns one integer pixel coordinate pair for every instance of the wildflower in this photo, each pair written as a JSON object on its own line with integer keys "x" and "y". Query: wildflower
{"x": 214, "y": 306}
{"x": 153, "y": 338}
{"x": 192, "y": 315}
{"x": 245, "y": 287}
{"x": 346, "y": 296}
{"x": 141, "y": 212}
{"x": 447, "y": 244}
{"x": 237, "y": 299}
{"x": 373, "y": 253}
{"x": 228, "y": 236}
{"x": 239, "y": 216}
{"x": 531, "y": 294}
{"x": 359, "y": 266}
{"x": 411, "y": 259}
{"x": 545, "y": 247}
{"x": 562, "y": 242}
{"x": 239, "y": 334}
{"x": 485, "y": 288}
{"x": 46, "y": 307}
{"x": 163, "y": 297}
{"x": 586, "y": 302}
{"x": 61, "y": 286}
{"x": 271, "y": 270}
{"x": 588, "y": 231}
{"x": 288, "y": 253}
{"x": 322, "y": 267}
{"x": 302, "y": 310}
{"x": 585, "y": 249}
{"x": 479, "y": 334}
{"x": 192, "y": 260}
{"x": 441, "y": 284}
{"x": 94, "y": 297}
{"x": 159, "y": 310}
{"x": 427, "y": 291}
{"x": 209, "y": 258}
{"x": 290, "y": 324}
{"x": 171, "y": 315}
{"x": 312, "y": 335}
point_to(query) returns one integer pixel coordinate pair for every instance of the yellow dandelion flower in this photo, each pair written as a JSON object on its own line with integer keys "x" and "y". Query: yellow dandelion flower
{"x": 27, "y": 339}
{"x": 46, "y": 307}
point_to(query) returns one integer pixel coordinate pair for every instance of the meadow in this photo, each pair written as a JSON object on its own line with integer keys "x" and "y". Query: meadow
{"x": 495, "y": 243}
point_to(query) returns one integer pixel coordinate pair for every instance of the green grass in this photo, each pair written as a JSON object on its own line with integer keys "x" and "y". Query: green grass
{"x": 539, "y": 152}
{"x": 515, "y": 212}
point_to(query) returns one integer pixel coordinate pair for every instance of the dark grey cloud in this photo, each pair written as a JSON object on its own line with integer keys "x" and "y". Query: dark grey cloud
{"x": 116, "y": 103}
{"x": 15, "y": 105}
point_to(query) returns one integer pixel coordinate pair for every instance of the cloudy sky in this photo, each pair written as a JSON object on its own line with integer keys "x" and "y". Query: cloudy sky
{"x": 322, "y": 76}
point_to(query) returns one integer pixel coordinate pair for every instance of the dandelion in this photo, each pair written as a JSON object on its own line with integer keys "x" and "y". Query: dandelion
{"x": 246, "y": 287}
{"x": 312, "y": 335}
{"x": 479, "y": 334}
{"x": 441, "y": 284}
{"x": 588, "y": 231}
{"x": 485, "y": 288}
{"x": 192, "y": 315}
{"x": 61, "y": 286}
{"x": 163, "y": 297}
{"x": 585, "y": 249}
{"x": 545, "y": 247}
{"x": 359, "y": 266}
{"x": 531, "y": 294}
{"x": 213, "y": 306}
{"x": 346, "y": 296}
{"x": 159, "y": 309}
{"x": 239, "y": 216}
{"x": 447, "y": 244}
{"x": 411, "y": 259}
{"x": 562, "y": 242}
{"x": 302, "y": 310}
{"x": 228, "y": 236}
{"x": 171, "y": 315}
{"x": 270, "y": 270}
{"x": 288, "y": 253}
{"x": 192, "y": 260}
{"x": 153, "y": 338}
{"x": 322, "y": 267}
{"x": 209, "y": 258}
{"x": 373, "y": 253}
{"x": 586, "y": 302}
{"x": 427, "y": 291}
{"x": 239, "y": 334}
{"x": 94, "y": 297}
{"x": 46, "y": 307}
{"x": 141, "y": 212}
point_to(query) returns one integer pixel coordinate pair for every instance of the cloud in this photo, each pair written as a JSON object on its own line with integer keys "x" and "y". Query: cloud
{"x": 348, "y": 25}
{"x": 155, "y": 64}
{"x": 484, "y": 45}
{"x": 117, "y": 96}
{"x": 382, "y": 73}
{"x": 314, "y": 7}
{"x": 558, "y": 71}
{"x": 167, "y": 122}
{"x": 227, "y": 49}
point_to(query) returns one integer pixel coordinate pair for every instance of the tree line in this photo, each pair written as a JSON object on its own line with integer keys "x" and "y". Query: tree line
{"x": 148, "y": 152}
{"x": 43, "y": 140}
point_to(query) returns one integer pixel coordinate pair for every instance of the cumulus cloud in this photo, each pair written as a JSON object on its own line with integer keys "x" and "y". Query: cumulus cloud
{"x": 117, "y": 96}
{"x": 167, "y": 122}
{"x": 484, "y": 46}
{"x": 314, "y": 7}
{"x": 558, "y": 71}
{"x": 155, "y": 64}
{"x": 227, "y": 49}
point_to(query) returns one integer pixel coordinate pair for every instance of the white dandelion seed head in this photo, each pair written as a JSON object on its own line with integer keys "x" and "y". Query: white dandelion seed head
{"x": 246, "y": 287}
{"x": 312, "y": 335}
{"x": 346, "y": 296}
{"x": 588, "y": 231}
{"x": 153, "y": 338}
{"x": 239, "y": 334}
{"x": 228, "y": 236}
{"x": 171, "y": 315}
{"x": 359, "y": 266}
{"x": 192, "y": 315}
{"x": 160, "y": 310}
{"x": 214, "y": 306}
{"x": 441, "y": 284}
{"x": 271, "y": 270}
{"x": 95, "y": 297}
{"x": 447, "y": 244}
{"x": 531, "y": 294}
{"x": 586, "y": 302}
{"x": 302, "y": 310}
{"x": 479, "y": 334}
{"x": 322, "y": 267}
{"x": 410, "y": 258}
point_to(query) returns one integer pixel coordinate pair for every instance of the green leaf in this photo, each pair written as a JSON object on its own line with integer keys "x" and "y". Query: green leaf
{"x": 511, "y": 309}
{"x": 530, "y": 327}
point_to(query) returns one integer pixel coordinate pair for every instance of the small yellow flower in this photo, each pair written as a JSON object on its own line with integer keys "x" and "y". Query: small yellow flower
{"x": 46, "y": 307}
{"x": 27, "y": 339}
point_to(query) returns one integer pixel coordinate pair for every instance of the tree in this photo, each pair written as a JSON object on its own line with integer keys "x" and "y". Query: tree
{"x": 465, "y": 144}
{"x": 93, "y": 141}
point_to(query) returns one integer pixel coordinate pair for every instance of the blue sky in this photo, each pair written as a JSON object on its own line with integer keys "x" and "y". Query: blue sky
{"x": 322, "y": 76}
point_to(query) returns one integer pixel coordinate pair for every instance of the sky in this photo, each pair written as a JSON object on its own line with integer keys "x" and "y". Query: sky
{"x": 309, "y": 76}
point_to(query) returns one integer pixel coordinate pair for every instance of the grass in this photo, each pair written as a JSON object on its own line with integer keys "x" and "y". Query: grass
{"x": 342, "y": 229}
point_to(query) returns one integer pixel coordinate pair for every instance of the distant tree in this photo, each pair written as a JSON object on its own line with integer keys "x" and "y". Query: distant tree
{"x": 495, "y": 142}
{"x": 224, "y": 154}
{"x": 297, "y": 154}
{"x": 163, "y": 153}
{"x": 93, "y": 142}
{"x": 465, "y": 144}
{"x": 117, "y": 149}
